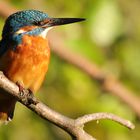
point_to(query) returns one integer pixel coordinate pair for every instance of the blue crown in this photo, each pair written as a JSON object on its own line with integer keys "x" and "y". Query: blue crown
{"x": 22, "y": 18}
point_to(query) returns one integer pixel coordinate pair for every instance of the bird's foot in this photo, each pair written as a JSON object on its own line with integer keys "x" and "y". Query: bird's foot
{"x": 26, "y": 94}
{"x": 21, "y": 88}
{"x": 31, "y": 98}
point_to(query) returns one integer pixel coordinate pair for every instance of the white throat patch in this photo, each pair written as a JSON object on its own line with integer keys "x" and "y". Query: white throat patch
{"x": 45, "y": 32}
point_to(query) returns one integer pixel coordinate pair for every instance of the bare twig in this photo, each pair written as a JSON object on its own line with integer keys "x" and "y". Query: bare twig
{"x": 109, "y": 83}
{"x": 98, "y": 116}
{"x": 6, "y": 9}
{"x": 73, "y": 127}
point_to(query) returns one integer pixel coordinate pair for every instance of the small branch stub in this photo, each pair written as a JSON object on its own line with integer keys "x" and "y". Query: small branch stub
{"x": 100, "y": 116}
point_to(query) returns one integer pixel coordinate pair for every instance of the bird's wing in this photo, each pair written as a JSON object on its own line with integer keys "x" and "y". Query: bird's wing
{"x": 3, "y": 47}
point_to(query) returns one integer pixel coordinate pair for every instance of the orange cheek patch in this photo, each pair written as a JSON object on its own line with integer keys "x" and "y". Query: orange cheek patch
{"x": 26, "y": 28}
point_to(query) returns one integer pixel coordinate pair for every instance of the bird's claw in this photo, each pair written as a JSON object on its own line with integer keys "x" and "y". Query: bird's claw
{"x": 21, "y": 89}
{"x": 26, "y": 94}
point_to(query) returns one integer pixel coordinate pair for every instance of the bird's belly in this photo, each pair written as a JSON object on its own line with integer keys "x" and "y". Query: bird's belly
{"x": 28, "y": 64}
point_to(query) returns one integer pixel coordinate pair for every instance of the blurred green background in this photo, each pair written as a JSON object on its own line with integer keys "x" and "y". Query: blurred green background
{"x": 110, "y": 37}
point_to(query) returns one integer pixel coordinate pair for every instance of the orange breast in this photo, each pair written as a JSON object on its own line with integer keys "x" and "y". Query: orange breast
{"x": 28, "y": 64}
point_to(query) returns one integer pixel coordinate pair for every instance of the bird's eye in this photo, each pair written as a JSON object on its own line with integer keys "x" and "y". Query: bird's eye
{"x": 41, "y": 23}
{"x": 37, "y": 23}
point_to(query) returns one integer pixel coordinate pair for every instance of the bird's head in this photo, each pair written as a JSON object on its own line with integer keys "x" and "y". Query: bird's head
{"x": 28, "y": 22}
{"x": 32, "y": 22}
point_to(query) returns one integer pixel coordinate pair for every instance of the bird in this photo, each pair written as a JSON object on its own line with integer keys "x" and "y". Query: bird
{"x": 25, "y": 53}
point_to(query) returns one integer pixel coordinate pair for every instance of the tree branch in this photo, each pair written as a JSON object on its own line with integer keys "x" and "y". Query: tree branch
{"x": 73, "y": 127}
{"x": 6, "y": 9}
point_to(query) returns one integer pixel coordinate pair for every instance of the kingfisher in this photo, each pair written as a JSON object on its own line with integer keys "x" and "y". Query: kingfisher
{"x": 25, "y": 53}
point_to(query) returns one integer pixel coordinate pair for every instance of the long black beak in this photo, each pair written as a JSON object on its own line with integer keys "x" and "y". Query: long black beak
{"x": 49, "y": 22}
